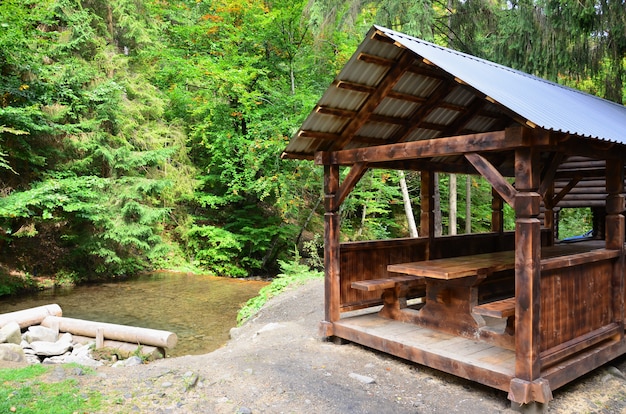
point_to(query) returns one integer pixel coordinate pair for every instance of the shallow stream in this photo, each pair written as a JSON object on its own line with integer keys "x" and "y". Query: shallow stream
{"x": 200, "y": 310}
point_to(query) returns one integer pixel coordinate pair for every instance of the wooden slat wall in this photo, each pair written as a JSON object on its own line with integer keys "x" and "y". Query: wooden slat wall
{"x": 575, "y": 301}
{"x": 368, "y": 260}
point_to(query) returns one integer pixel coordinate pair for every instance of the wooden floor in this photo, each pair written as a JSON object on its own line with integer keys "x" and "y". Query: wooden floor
{"x": 475, "y": 360}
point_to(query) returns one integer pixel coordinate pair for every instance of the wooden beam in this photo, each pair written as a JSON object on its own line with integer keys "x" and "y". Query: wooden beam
{"x": 327, "y": 110}
{"x": 355, "y": 87}
{"x": 550, "y": 172}
{"x": 376, "y": 60}
{"x": 564, "y": 191}
{"x": 436, "y": 147}
{"x": 356, "y": 173}
{"x": 491, "y": 174}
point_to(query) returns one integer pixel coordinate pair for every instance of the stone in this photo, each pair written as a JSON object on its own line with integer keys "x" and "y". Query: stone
{"x": 43, "y": 348}
{"x": 66, "y": 337}
{"x": 11, "y": 352}
{"x": 11, "y": 333}
{"x": 41, "y": 334}
{"x": 362, "y": 378}
{"x": 81, "y": 360}
{"x": 130, "y": 362}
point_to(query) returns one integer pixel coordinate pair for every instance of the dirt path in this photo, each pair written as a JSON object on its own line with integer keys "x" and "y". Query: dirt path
{"x": 277, "y": 364}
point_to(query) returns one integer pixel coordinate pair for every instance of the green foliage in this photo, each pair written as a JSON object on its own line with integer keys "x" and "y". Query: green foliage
{"x": 293, "y": 273}
{"x": 574, "y": 222}
{"x": 25, "y": 390}
{"x": 143, "y": 134}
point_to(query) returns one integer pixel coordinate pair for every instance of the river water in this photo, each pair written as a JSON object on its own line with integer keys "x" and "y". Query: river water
{"x": 200, "y": 310}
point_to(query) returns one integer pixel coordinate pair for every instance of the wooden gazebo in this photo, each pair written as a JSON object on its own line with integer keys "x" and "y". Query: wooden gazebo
{"x": 517, "y": 310}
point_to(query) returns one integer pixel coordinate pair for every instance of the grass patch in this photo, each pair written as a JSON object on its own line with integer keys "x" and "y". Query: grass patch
{"x": 292, "y": 274}
{"x": 25, "y": 390}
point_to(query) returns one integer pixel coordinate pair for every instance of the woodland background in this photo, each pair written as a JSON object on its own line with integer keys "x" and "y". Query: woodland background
{"x": 144, "y": 134}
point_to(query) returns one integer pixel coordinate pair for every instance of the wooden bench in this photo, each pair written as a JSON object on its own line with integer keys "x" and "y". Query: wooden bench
{"x": 500, "y": 309}
{"x": 385, "y": 283}
{"x": 395, "y": 291}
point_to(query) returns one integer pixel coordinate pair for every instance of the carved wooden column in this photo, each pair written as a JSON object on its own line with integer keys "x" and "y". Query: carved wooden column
{"x": 331, "y": 250}
{"x": 614, "y": 231}
{"x": 527, "y": 386}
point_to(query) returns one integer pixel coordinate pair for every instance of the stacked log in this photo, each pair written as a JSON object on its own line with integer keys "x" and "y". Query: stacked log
{"x": 32, "y": 316}
{"x": 122, "y": 333}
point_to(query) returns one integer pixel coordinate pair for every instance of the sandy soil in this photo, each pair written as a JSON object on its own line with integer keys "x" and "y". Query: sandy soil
{"x": 276, "y": 363}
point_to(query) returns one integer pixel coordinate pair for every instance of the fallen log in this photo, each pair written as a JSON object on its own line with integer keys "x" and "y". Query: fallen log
{"x": 32, "y": 316}
{"x": 123, "y": 333}
{"x": 125, "y": 349}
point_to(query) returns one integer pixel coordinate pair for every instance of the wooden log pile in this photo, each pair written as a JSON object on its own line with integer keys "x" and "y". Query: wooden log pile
{"x": 123, "y": 339}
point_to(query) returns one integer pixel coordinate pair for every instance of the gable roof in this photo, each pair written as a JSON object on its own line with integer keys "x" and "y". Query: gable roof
{"x": 397, "y": 88}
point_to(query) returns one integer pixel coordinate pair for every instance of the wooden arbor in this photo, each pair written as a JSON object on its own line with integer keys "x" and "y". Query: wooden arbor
{"x": 512, "y": 310}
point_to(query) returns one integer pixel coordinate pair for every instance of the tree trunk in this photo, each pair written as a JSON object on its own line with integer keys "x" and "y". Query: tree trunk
{"x": 408, "y": 209}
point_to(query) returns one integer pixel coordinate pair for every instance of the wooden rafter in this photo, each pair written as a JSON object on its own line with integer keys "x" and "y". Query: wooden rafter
{"x": 417, "y": 118}
{"x": 374, "y": 100}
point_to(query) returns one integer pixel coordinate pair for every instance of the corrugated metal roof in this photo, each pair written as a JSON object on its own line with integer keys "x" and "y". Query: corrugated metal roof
{"x": 382, "y": 95}
{"x": 546, "y": 104}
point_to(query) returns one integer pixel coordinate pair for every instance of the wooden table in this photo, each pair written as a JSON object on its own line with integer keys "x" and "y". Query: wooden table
{"x": 451, "y": 291}
{"x": 452, "y": 288}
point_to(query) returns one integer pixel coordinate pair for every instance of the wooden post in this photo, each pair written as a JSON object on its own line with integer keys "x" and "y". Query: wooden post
{"x": 497, "y": 212}
{"x": 99, "y": 338}
{"x": 614, "y": 232}
{"x": 548, "y": 215}
{"x": 331, "y": 250}
{"x": 427, "y": 214}
{"x": 527, "y": 386}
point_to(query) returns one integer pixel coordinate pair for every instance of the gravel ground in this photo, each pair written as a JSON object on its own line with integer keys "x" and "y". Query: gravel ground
{"x": 276, "y": 363}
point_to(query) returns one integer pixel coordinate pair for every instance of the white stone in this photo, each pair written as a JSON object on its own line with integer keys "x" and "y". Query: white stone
{"x": 362, "y": 378}
{"x": 11, "y": 352}
{"x": 44, "y": 348}
{"x": 40, "y": 333}
{"x": 11, "y": 333}
{"x": 66, "y": 337}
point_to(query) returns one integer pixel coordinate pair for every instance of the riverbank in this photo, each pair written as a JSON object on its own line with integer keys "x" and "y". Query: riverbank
{"x": 276, "y": 363}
